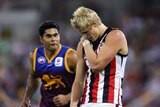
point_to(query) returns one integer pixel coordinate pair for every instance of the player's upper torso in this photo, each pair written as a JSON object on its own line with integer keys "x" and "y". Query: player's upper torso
{"x": 55, "y": 74}
{"x": 105, "y": 86}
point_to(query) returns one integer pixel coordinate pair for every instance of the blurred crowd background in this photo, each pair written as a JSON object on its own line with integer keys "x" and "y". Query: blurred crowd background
{"x": 138, "y": 19}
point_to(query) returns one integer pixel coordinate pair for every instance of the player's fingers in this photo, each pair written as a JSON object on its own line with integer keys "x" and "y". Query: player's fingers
{"x": 58, "y": 104}
{"x": 56, "y": 100}
{"x": 29, "y": 103}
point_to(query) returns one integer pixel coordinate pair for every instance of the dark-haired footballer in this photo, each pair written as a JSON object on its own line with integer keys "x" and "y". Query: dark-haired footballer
{"x": 54, "y": 64}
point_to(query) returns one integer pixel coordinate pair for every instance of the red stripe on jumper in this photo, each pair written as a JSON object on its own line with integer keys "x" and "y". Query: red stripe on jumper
{"x": 112, "y": 81}
{"x": 95, "y": 87}
{"x": 84, "y": 93}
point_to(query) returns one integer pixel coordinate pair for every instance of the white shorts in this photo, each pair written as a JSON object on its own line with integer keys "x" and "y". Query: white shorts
{"x": 99, "y": 105}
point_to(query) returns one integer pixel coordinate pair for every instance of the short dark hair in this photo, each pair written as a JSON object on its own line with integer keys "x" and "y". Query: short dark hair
{"x": 47, "y": 25}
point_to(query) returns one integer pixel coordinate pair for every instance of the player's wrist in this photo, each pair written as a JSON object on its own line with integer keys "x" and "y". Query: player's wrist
{"x": 85, "y": 42}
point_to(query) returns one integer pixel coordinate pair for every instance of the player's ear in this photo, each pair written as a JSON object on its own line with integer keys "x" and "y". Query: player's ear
{"x": 41, "y": 39}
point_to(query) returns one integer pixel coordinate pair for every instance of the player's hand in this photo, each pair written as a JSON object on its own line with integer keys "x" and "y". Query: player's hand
{"x": 26, "y": 103}
{"x": 82, "y": 39}
{"x": 61, "y": 100}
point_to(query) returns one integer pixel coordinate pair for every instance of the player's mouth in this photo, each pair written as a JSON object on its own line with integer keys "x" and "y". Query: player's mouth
{"x": 53, "y": 44}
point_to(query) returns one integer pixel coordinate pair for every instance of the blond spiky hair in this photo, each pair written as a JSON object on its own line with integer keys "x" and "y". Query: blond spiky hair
{"x": 83, "y": 18}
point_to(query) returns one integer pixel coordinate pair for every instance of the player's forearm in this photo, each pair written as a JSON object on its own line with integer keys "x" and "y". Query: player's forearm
{"x": 75, "y": 94}
{"x": 26, "y": 99}
{"x": 92, "y": 58}
{"x": 32, "y": 85}
{"x": 89, "y": 52}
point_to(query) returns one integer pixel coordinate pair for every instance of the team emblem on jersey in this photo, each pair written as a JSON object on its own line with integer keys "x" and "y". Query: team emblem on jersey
{"x": 41, "y": 60}
{"x": 58, "y": 61}
{"x": 53, "y": 81}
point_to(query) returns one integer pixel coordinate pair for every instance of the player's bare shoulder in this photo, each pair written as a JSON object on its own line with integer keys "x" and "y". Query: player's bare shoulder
{"x": 71, "y": 54}
{"x": 31, "y": 57}
{"x": 79, "y": 49}
{"x": 117, "y": 37}
{"x": 123, "y": 42}
{"x": 72, "y": 58}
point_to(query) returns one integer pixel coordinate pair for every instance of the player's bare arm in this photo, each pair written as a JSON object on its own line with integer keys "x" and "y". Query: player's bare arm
{"x": 115, "y": 42}
{"x": 72, "y": 60}
{"x": 32, "y": 85}
{"x": 79, "y": 79}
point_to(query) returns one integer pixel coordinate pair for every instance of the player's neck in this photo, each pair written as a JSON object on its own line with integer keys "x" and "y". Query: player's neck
{"x": 50, "y": 53}
{"x": 102, "y": 29}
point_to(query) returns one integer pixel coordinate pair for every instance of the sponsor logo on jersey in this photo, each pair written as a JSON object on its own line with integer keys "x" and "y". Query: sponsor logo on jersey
{"x": 59, "y": 61}
{"x": 41, "y": 60}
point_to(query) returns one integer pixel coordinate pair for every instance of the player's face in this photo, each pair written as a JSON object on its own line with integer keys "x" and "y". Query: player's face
{"x": 51, "y": 39}
{"x": 91, "y": 33}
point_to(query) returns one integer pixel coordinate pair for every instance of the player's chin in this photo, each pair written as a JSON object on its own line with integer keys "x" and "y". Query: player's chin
{"x": 53, "y": 47}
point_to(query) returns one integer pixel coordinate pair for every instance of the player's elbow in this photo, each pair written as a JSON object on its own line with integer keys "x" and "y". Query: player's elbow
{"x": 96, "y": 68}
{"x": 97, "y": 65}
